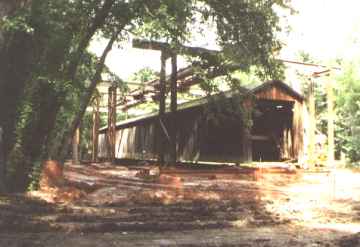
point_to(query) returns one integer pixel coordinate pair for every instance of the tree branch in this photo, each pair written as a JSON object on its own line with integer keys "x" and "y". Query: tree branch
{"x": 61, "y": 151}
{"x": 99, "y": 21}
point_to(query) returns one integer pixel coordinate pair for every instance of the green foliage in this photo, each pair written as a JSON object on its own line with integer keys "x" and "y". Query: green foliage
{"x": 348, "y": 112}
{"x": 247, "y": 33}
{"x": 59, "y": 70}
{"x": 86, "y": 136}
{"x": 347, "y": 107}
{"x": 229, "y": 106}
{"x": 34, "y": 176}
{"x": 165, "y": 20}
{"x": 55, "y": 30}
{"x": 144, "y": 75}
{"x": 16, "y": 24}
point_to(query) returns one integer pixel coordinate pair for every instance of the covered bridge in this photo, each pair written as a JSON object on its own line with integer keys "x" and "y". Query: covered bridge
{"x": 276, "y": 132}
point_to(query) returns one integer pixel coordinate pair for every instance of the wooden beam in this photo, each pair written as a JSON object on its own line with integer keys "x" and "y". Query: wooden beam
{"x": 95, "y": 129}
{"x": 162, "y": 106}
{"x": 173, "y": 108}
{"x": 312, "y": 124}
{"x": 180, "y": 49}
{"x": 150, "y": 45}
{"x": 155, "y": 84}
{"x": 245, "y": 132}
{"x": 307, "y": 64}
{"x": 112, "y": 122}
{"x": 128, "y": 83}
{"x": 246, "y": 145}
{"x": 188, "y": 79}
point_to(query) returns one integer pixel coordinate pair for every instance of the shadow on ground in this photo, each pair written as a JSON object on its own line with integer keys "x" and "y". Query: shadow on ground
{"x": 123, "y": 206}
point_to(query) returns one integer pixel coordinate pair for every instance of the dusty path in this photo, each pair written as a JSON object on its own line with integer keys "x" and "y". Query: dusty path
{"x": 187, "y": 207}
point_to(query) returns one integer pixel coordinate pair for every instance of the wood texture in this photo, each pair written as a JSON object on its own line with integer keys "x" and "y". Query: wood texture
{"x": 199, "y": 139}
{"x": 162, "y": 100}
{"x": 95, "y": 129}
{"x": 173, "y": 109}
{"x": 112, "y": 122}
{"x": 312, "y": 124}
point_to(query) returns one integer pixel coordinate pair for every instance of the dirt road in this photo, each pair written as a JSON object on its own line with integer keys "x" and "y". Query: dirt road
{"x": 104, "y": 205}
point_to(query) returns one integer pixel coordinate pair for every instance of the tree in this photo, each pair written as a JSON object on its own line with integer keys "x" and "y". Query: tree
{"x": 55, "y": 34}
{"x": 144, "y": 75}
{"x": 44, "y": 58}
{"x": 348, "y": 112}
{"x": 2, "y": 163}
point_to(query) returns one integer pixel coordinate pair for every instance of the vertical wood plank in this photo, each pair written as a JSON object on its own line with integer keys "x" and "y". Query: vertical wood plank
{"x": 112, "y": 123}
{"x": 246, "y": 132}
{"x": 247, "y": 145}
{"x": 312, "y": 124}
{"x": 173, "y": 107}
{"x": 95, "y": 129}
{"x": 161, "y": 151}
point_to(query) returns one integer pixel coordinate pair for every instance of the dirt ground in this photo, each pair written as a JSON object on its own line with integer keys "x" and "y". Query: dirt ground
{"x": 105, "y": 205}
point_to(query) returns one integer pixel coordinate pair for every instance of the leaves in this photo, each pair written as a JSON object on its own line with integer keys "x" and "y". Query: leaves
{"x": 59, "y": 69}
{"x": 348, "y": 111}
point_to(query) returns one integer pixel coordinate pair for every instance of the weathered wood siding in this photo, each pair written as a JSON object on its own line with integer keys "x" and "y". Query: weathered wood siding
{"x": 297, "y": 132}
{"x": 201, "y": 140}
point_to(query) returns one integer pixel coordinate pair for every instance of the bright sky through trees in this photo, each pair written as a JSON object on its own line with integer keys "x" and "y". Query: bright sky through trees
{"x": 326, "y": 29}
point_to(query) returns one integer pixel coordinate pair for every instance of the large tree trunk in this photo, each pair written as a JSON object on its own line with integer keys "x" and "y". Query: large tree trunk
{"x": 2, "y": 163}
{"x": 57, "y": 150}
{"x": 19, "y": 54}
{"x": 60, "y": 151}
{"x": 16, "y": 63}
{"x": 72, "y": 69}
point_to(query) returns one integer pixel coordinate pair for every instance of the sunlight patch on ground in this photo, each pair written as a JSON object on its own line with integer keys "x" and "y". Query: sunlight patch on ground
{"x": 342, "y": 227}
{"x": 240, "y": 223}
{"x": 121, "y": 173}
{"x": 295, "y": 202}
{"x": 320, "y": 201}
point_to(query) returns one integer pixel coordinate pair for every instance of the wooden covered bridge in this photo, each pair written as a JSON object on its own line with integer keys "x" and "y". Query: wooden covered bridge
{"x": 186, "y": 133}
{"x": 276, "y": 133}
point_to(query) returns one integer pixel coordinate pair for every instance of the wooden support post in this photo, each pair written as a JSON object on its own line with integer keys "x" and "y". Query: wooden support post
{"x": 312, "y": 124}
{"x": 112, "y": 123}
{"x": 173, "y": 107}
{"x": 75, "y": 149}
{"x": 162, "y": 106}
{"x": 331, "y": 127}
{"x": 246, "y": 131}
{"x": 247, "y": 145}
{"x": 95, "y": 129}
